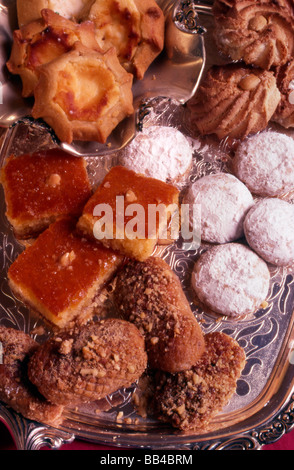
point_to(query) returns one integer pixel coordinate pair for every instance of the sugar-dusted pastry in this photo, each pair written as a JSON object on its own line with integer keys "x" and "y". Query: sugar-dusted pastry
{"x": 134, "y": 27}
{"x": 83, "y": 94}
{"x": 60, "y": 275}
{"x": 15, "y": 388}
{"x": 150, "y": 295}
{"x": 284, "y": 114}
{"x": 43, "y": 40}
{"x": 87, "y": 363}
{"x": 129, "y": 212}
{"x": 269, "y": 230}
{"x": 234, "y": 101}
{"x": 42, "y": 186}
{"x": 265, "y": 163}
{"x": 258, "y": 33}
{"x": 224, "y": 201}
{"x": 231, "y": 280}
{"x": 190, "y": 399}
{"x": 161, "y": 152}
{"x": 30, "y": 10}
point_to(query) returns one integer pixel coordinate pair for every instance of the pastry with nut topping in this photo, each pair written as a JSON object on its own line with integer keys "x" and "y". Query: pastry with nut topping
{"x": 258, "y": 33}
{"x": 234, "y": 101}
{"x": 80, "y": 365}
{"x": 134, "y": 27}
{"x": 42, "y": 186}
{"x": 190, "y": 399}
{"x": 61, "y": 274}
{"x": 83, "y": 94}
{"x": 150, "y": 295}
{"x": 43, "y": 40}
{"x": 15, "y": 388}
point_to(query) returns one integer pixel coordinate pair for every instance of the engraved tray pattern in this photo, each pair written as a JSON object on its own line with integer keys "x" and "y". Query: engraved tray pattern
{"x": 260, "y": 412}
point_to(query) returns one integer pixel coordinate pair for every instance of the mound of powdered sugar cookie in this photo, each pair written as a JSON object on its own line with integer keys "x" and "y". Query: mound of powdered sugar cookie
{"x": 224, "y": 202}
{"x": 231, "y": 279}
{"x": 159, "y": 152}
{"x": 269, "y": 230}
{"x": 265, "y": 163}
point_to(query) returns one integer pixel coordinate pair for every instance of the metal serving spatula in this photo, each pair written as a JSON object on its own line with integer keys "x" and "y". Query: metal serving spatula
{"x": 175, "y": 74}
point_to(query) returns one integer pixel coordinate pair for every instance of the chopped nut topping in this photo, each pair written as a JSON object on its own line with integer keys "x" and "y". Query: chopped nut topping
{"x": 130, "y": 196}
{"x": 54, "y": 180}
{"x": 249, "y": 83}
{"x": 120, "y": 415}
{"x": 87, "y": 371}
{"x": 154, "y": 340}
{"x": 257, "y": 23}
{"x": 67, "y": 258}
{"x": 131, "y": 368}
{"x": 181, "y": 409}
{"x": 66, "y": 346}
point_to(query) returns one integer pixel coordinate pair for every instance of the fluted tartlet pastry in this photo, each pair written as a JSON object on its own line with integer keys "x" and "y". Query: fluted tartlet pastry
{"x": 43, "y": 40}
{"x": 83, "y": 94}
{"x": 30, "y": 10}
{"x": 134, "y": 27}
{"x": 284, "y": 114}
{"x": 260, "y": 33}
{"x": 234, "y": 101}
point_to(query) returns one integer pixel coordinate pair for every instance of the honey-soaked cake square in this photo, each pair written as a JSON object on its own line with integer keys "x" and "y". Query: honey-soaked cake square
{"x": 42, "y": 186}
{"x": 61, "y": 274}
{"x": 130, "y": 212}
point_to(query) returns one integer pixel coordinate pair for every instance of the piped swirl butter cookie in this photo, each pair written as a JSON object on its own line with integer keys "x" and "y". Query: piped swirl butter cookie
{"x": 284, "y": 114}
{"x": 260, "y": 33}
{"x": 234, "y": 101}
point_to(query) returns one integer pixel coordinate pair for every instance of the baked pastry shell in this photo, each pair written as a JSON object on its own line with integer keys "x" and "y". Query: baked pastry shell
{"x": 110, "y": 109}
{"x": 43, "y": 40}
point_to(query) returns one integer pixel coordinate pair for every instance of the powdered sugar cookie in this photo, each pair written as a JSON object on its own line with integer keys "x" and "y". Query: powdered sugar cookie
{"x": 265, "y": 163}
{"x": 269, "y": 230}
{"x": 224, "y": 202}
{"x": 159, "y": 152}
{"x": 231, "y": 279}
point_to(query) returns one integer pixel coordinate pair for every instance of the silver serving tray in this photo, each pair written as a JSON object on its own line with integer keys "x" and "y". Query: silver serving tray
{"x": 175, "y": 74}
{"x": 261, "y": 410}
